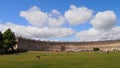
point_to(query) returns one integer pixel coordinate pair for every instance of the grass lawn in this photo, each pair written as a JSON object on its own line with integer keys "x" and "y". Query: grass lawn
{"x": 61, "y": 60}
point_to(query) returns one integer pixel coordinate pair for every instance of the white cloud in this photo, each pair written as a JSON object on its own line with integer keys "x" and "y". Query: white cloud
{"x": 55, "y": 19}
{"x": 35, "y": 16}
{"x": 36, "y": 32}
{"x": 104, "y": 20}
{"x": 39, "y": 18}
{"x": 78, "y": 15}
{"x": 103, "y": 28}
{"x": 43, "y": 24}
{"x": 96, "y": 35}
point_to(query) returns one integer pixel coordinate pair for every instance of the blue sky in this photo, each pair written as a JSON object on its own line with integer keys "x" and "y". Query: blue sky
{"x": 90, "y": 26}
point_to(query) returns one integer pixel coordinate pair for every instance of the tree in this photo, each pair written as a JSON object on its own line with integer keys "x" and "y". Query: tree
{"x": 1, "y": 41}
{"x": 9, "y": 41}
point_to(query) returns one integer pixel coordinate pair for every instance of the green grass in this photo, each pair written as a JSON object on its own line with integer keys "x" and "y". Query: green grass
{"x": 61, "y": 60}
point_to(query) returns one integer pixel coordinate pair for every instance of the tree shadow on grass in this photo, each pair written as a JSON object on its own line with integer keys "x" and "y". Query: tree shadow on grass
{"x": 13, "y": 52}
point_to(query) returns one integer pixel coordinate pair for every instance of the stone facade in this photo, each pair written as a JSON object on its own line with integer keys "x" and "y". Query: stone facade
{"x": 27, "y": 44}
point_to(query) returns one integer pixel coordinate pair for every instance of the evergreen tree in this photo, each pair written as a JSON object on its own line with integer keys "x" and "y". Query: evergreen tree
{"x": 9, "y": 41}
{"x": 1, "y": 40}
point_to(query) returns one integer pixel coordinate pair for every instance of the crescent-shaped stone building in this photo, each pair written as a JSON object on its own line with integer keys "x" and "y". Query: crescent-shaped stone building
{"x": 27, "y": 44}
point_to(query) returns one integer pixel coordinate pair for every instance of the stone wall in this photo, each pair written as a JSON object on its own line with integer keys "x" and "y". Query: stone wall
{"x": 27, "y": 44}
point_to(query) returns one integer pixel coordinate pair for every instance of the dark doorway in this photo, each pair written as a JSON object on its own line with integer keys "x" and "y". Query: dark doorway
{"x": 62, "y": 48}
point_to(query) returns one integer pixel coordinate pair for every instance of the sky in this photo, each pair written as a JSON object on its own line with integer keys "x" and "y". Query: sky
{"x": 62, "y": 20}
